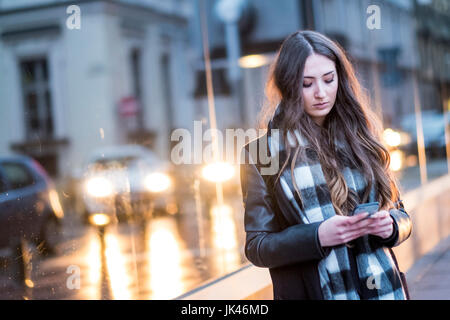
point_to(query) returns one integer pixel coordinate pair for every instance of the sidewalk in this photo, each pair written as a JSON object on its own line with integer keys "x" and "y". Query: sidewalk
{"x": 429, "y": 277}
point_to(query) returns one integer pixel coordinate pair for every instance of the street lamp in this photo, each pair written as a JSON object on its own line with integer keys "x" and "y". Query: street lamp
{"x": 254, "y": 61}
{"x": 230, "y": 12}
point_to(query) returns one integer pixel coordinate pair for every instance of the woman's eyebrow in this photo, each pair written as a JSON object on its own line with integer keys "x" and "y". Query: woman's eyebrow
{"x": 322, "y": 76}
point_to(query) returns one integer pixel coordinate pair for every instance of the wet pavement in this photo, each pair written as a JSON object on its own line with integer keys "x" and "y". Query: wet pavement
{"x": 164, "y": 258}
{"x": 429, "y": 277}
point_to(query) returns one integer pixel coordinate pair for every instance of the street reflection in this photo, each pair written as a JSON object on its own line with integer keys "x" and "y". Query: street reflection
{"x": 158, "y": 259}
{"x": 118, "y": 274}
{"x": 107, "y": 272}
{"x": 94, "y": 263}
{"x": 225, "y": 238}
{"x": 165, "y": 260}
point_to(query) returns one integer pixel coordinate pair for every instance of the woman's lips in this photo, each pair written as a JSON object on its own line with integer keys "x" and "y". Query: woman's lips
{"x": 321, "y": 105}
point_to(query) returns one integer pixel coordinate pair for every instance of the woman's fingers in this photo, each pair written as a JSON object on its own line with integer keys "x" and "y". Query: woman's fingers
{"x": 380, "y": 222}
{"x": 342, "y": 229}
{"x": 382, "y": 231}
{"x": 362, "y": 220}
{"x": 383, "y": 228}
{"x": 360, "y": 225}
{"x": 357, "y": 218}
{"x": 383, "y": 234}
{"x": 354, "y": 235}
{"x": 380, "y": 214}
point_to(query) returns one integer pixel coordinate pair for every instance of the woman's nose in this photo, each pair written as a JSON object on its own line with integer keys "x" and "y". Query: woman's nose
{"x": 320, "y": 91}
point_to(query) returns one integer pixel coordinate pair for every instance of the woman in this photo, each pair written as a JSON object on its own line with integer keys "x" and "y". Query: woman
{"x": 298, "y": 221}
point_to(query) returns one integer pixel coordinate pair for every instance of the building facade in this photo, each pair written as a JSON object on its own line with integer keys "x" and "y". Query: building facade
{"x": 65, "y": 91}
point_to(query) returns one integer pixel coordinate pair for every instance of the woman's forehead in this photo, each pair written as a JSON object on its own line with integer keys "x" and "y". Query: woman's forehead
{"x": 317, "y": 66}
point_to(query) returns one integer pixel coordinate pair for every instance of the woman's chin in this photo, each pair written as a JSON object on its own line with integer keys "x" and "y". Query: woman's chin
{"x": 319, "y": 116}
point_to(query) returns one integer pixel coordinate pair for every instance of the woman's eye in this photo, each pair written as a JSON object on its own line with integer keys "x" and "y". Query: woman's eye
{"x": 307, "y": 85}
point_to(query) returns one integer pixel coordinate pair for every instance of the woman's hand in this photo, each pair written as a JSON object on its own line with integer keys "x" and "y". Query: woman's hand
{"x": 341, "y": 229}
{"x": 381, "y": 224}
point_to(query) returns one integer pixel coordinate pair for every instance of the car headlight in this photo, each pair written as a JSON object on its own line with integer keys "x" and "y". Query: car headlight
{"x": 99, "y": 219}
{"x": 157, "y": 182}
{"x": 99, "y": 187}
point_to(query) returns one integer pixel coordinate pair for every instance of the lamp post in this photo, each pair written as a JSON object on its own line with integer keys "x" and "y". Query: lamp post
{"x": 229, "y": 12}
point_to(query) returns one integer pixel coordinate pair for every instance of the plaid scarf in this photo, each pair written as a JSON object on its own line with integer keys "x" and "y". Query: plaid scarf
{"x": 376, "y": 269}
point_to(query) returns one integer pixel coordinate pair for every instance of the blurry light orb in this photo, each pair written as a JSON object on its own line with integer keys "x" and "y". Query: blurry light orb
{"x": 55, "y": 203}
{"x": 99, "y": 219}
{"x": 253, "y": 61}
{"x": 29, "y": 283}
{"x": 218, "y": 172}
{"x": 396, "y": 160}
{"x": 392, "y": 138}
{"x": 221, "y": 210}
{"x": 157, "y": 182}
{"x": 99, "y": 187}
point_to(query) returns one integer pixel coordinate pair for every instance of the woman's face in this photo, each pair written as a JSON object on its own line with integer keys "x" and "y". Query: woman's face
{"x": 320, "y": 86}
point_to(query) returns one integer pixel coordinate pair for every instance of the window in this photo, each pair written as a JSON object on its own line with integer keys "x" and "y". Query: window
{"x": 17, "y": 175}
{"x": 166, "y": 81}
{"x": 135, "y": 62}
{"x": 220, "y": 83}
{"x": 136, "y": 67}
{"x": 36, "y": 98}
{"x": 3, "y": 187}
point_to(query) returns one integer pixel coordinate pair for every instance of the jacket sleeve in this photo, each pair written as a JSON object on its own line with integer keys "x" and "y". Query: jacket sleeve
{"x": 402, "y": 227}
{"x": 267, "y": 244}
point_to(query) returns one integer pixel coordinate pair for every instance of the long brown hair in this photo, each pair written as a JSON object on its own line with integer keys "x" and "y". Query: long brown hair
{"x": 350, "y": 120}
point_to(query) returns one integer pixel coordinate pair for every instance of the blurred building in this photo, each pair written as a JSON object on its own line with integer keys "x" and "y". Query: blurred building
{"x": 433, "y": 38}
{"x": 116, "y": 79}
{"x": 135, "y": 69}
{"x": 387, "y": 60}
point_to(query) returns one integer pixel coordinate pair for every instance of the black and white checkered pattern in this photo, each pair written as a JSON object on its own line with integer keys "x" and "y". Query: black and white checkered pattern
{"x": 376, "y": 268}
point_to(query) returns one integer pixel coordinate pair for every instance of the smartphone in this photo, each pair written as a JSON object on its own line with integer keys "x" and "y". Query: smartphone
{"x": 370, "y": 207}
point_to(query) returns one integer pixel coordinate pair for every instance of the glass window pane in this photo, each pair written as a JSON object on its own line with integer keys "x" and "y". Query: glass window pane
{"x": 49, "y": 114}
{"x": 44, "y": 66}
{"x": 32, "y": 112}
{"x": 17, "y": 175}
{"x": 28, "y": 72}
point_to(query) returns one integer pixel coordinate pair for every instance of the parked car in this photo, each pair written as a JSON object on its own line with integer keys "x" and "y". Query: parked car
{"x": 433, "y": 132}
{"x": 29, "y": 205}
{"x": 126, "y": 182}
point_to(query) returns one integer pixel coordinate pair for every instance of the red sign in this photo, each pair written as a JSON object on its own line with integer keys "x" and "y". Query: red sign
{"x": 128, "y": 107}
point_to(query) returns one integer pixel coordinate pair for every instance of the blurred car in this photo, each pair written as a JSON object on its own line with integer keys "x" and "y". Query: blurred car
{"x": 126, "y": 182}
{"x": 433, "y": 132}
{"x": 29, "y": 205}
